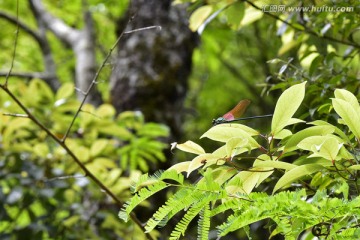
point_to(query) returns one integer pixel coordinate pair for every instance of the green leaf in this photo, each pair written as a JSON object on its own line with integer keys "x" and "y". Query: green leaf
{"x": 235, "y": 14}
{"x": 105, "y": 111}
{"x": 199, "y": 16}
{"x": 243, "y": 182}
{"x": 295, "y": 174}
{"x": 65, "y": 91}
{"x": 354, "y": 167}
{"x": 293, "y": 141}
{"x": 199, "y": 161}
{"x": 98, "y": 147}
{"x": 249, "y": 130}
{"x": 274, "y": 164}
{"x": 224, "y": 133}
{"x": 322, "y": 146}
{"x": 286, "y": 106}
{"x": 191, "y": 147}
{"x": 251, "y": 15}
{"x": 349, "y": 114}
{"x": 348, "y": 97}
{"x": 329, "y": 149}
{"x": 236, "y": 146}
{"x": 180, "y": 167}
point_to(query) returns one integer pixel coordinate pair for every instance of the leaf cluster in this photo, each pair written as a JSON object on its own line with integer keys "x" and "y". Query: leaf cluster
{"x": 42, "y": 186}
{"x": 318, "y": 166}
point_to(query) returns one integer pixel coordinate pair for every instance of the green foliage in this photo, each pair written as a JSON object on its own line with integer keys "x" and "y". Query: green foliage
{"x": 41, "y": 182}
{"x": 322, "y": 182}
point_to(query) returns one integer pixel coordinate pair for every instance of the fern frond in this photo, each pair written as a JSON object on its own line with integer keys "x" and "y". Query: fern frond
{"x": 181, "y": 227}
{"x": 278, "y": 207}
{"x": 180, "y": 200}
{"x": 204, "y": 223}
{"x": 172, "y": 175}
{"x": 139, "y": 197}
{"x": 196, "y": 208}
{"x": 234, "y": 204}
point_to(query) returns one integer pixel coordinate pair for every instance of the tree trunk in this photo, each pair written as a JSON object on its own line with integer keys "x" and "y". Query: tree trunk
{"x": 152, "y": 67}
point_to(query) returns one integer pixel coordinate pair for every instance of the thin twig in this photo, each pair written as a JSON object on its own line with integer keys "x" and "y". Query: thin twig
{"x": 15, "y": 44}
{"x": 16, "y": 115}
{"x": 30, "y": 75}
{"x": 142, "y": 29}
{"x": 63, "y": 178}
{"x": 306, "y": 30}
{"x": 94, "y": 81}
{"x": 20, "y": 24}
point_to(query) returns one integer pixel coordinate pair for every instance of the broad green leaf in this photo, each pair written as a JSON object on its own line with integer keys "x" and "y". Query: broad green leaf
{"x": 107, "y": 127}
{"x": 41, "y": 149}
{"x": 309, "y": 142}
{"x": 222, "y": 174}
{"x": 286, "y": 106}
{"x": 101, "y": 165}
{"x": 199, "y": 16}
{"x": 295, "y": 174}
{"x": 199, "y": 161}
{"x": 98, "y": 147}
{"x": 274, "y": 164}
{"x": 338, "y": 131}
{"x": 65, "y": 91}
{"x": 105, "y": 110}
{"x": 224, "y": 133}
{"x": 349, "y": 115}
{"x": 349, "y": 97}
{"x": 354, "y": 167}
{"x": 235, "y": 14}
{"x": 180, "y": 167}
{"x": 329, "y": 149}
{"x": 249, "y": 130}
{"x": 243, "y": 182}
{"x": 264, "y": 173}
{"x": 283, "y": 134}
{"x": 293, "y": 141}
{"x": 236, "y": 146}
{"x": 220, "y": 152}
{"x": 82, "y": 153}
{"x": 251, "y": 15}
{"x": 191, "y": 147}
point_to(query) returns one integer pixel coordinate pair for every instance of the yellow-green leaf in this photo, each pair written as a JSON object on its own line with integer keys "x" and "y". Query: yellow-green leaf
{"x": 199, "y": 161}
{"x": 295, "y": 174}
{"x": 98, "y": 147}
{"x": 224, "y": 133}
{"x": 286, "y": 106}
{"x": 65, "y": 91}
{"x": 180, "y": 167}
{"x": 236, "y": 146}
{"x": 199, "y": 16}
{"x": 191, "y": 147}
{"x": 349, "y": 114}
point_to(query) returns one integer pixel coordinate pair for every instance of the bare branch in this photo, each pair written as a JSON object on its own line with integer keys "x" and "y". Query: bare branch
{"x": 22, "y": 25}
{"x": 57, "y": 26}
{"x": 16, "y": 115}
{"x": 143, "y": 29}
{"x": 29, "y": 75}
